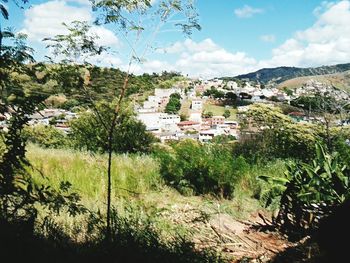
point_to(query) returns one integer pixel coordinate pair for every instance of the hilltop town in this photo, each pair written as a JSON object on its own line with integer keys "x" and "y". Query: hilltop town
{"x": 208, "y": 108}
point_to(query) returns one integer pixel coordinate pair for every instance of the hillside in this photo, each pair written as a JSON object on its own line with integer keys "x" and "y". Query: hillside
{"x": 338, "y": 80}
{"x": 280, "y": 74}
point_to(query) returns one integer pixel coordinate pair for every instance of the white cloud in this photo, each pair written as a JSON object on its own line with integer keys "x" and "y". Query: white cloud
{"x": 106, "y": 60}
{"x": 268, "y": 38}
{"x": 190, "y": 46}
{"x": 204, "y": 58}
{"x": 247, "y": 11}
{"x": 150, "y": 66}
{"x": 106, "y": 36}
{"x": 45, "y": 20}
{"x": 326, "y": 42}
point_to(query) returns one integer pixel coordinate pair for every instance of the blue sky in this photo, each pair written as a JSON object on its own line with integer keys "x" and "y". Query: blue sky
{"x": 237, "y": 36}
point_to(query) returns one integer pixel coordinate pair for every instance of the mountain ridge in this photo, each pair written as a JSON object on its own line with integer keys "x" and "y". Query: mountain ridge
{"x": 281, "y": 74}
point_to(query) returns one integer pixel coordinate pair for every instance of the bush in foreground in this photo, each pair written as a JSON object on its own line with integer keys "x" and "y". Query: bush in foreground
{"x": 202, "y": 169}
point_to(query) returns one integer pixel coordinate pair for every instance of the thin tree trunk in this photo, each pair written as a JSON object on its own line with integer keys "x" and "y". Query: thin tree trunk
{"x": 110, "y": 151}
{"x": 109, "y": 183}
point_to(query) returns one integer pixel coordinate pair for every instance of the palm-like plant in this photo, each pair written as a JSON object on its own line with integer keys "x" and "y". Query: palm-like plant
{"x": 309, "y": 191}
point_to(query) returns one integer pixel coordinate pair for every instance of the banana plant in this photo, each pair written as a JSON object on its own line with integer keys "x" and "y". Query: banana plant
{"x": 307, "y": 191}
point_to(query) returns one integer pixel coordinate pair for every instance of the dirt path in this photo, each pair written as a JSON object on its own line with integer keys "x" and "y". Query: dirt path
{"x": 236, "y": 239}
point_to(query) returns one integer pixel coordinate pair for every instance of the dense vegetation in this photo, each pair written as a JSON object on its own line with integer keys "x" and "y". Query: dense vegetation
{"x": 201, "y": 169}
{"x": 174, "y": 104}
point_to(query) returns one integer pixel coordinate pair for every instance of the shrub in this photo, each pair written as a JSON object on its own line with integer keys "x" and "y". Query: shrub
{"x": 203, "y": 168}
{"x": 46, "y": 136}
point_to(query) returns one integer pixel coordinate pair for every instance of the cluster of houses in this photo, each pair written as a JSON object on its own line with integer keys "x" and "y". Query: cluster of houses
{"x": 312, "y": 87}
{"x": 58, "y": 118}
{"x": 170, "y": 126}
{"x": 256, "y": 93}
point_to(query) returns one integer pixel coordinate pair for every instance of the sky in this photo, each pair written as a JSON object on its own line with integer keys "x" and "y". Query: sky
{"x": 237, "y": 36}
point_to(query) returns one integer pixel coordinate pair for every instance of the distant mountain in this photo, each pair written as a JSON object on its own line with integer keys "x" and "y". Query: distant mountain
{"x": 280, "y": 74}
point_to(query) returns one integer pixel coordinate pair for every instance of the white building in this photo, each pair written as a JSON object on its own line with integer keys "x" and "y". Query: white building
{"x": 151, "y": 103}
{"x": 208, "y": 135}
{"x": 197, "y": 105}
{"x": 232, "y": 85}
{"x": 156, "y": 121}
{"x": 196, "y": 117}
{"x": 168, "y": 122}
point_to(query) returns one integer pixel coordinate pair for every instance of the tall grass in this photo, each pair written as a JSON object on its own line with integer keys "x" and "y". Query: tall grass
{"x": 249, "y": 182}
{"x": 131, "y": 174}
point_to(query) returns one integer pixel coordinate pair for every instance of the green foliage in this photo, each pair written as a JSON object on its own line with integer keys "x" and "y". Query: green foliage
{"x": 70, "y": 104}
{"x": 174, "y": 104}
{"x": 341, "y": 143}
{"x": 223, "y": 139}
{"x": 227, "y": 114}
{"x": 190, "y": 166}
{"x": 267, "y": 133}
{"x": 207, "y": 114}
{"x": 23, "y": 90}
{"x": 317, "y": 103}
{"x": 288, "y": 91}
{"x": 135, "y": 238}
{"x": 55, "y": 101}
{"x": 88, "y": 131}
{"x": 287, "y": 108}
{"x": 214, "y": 93}
{"x": 76, "y": 44}
{"x": 231, "y": 97}
{"x": 46, "y": 136}
{"x": 309, "y": 190}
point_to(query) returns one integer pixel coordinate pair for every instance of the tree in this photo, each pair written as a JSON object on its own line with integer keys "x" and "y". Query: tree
{"x": 231, "y": 97}
{"x": 214, "y": 93}
{"x": 202, "y": 169}
{"x": 273, "y": 134}
{"x": 128, "y": 17}
{"x": 174, "y": 104}
{"x": 226, "y": 114}
{"x": 46, "y": 136}
{"x": 131, "y": 136}
{"x": 288, "y": 91}
{"x": 23, "y": 86}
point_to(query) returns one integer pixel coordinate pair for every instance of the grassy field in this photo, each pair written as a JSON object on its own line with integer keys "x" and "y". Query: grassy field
{"x": 132, "y": 174}
{"x": 135, "y": 178}
{"x": 219, "y": 110}
{"x": 139, "y": 191}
